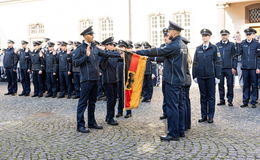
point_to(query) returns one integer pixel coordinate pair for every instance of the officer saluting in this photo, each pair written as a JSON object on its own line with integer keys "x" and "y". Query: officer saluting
{"x": 206, "y": 72}
{"x": 174, "y": 78}
{"x": 249, "y": 49}
{"x": 229, "y": 65}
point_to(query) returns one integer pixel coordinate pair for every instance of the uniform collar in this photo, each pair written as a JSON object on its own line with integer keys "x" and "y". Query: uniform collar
{"x": 226, "y": 42}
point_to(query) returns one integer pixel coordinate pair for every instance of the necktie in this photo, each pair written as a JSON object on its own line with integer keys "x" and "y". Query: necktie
{"x": 204, "y": 47}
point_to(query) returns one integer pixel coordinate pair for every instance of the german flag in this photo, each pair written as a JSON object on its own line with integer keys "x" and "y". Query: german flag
{"x": 134, "y": 75}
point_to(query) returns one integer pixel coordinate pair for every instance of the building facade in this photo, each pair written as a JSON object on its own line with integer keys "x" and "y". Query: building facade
{"x": 137, "y": 20}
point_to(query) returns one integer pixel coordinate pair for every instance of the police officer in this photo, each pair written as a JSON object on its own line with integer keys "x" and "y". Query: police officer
{"x": 110, "y": 80}
{"x": 148, "y": 82}
{"x": 37, "y": 67}
{"x": 206, "y": 72}
{"x": 51, "y": 70}
{"x": 87, "y": 58}
{"x": 229, "y": 64}
{"x": 10, "y": 65}
{"x": 24, "y": 57}
{"x": 64, "y": 64}
{"x": 174, "y": 79}
{"x": 76, "y": 74}
{"x": 186, "y": 88}
{"x": 121, "y": 89}
{"x": 249, "y": 49}
{"x": 166, "y": 41}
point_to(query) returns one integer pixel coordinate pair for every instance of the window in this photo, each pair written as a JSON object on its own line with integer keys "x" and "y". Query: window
{"x": 183, "y": 19}
{"x": 36, "y": 29}
{"x": 157, "y": 23}
{"x": 84, "y": 24}
{"x": 253, "y": 13}
{"x": 106, "y": 28}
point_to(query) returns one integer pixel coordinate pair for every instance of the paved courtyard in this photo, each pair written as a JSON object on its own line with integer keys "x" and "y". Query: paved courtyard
{"x": 44, "y": 128}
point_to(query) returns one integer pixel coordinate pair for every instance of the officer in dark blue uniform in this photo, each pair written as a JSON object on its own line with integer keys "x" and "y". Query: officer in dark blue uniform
{"x": 166, "y": 41}
{"x": 110, "y": 80}
{"x": 121, "y": 89}
{"x": 228, "y": 54}
{"x": 10, "y": 65}
{"x": 63, "y": 60}
{"x": 206, "y": 72}
{"x": 186, "y": 88}
{"x": 51, "y": 70}
{"x": 76, "y": 74}
{"x": 249, "y": 49}
{"x": 148, "y": 82}
{"x": 174, "y": 78}
{"x": 24, "y": 57}
{"x": 37, "y": 67}
{"x": 87, "y": 56}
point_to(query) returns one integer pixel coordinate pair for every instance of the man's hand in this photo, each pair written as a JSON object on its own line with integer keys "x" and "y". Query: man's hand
{"x": 41, "y": 54}
{"x": 14, "y": 70}
{"x": 257, "y": 71}
{"x": 28, "y": 71}
{"x": 122, "y": 54}
{"x": 69, "y": 73}
{"x": 234, "y": 72}
{"x": 101, "y": 47}
{"x": 88, "y": 51}
{"x": 54, "y": 73}
{"x": 153, "y": 76}
{"x": 40, "y": 72}
{"x": 54, "y": 53}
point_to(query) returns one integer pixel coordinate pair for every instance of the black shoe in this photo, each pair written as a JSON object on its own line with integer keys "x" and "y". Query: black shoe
{"x": 169, "y": 138}
{"x": 253, "y": 106}
{"x": 182, "y": 134}
{"x": 61, "y": 96}
{"x": 202, "y": 120}
{"x": 27, "y": 94}
{"x": 83, "y": 130}
{"x": 210, "y": 120}
{"x": 13, "y": 94}
{"x": 69, "y": 97}
{"x": 22, "y": 94}
{"x": 112, "y": 122}
{"x": 144, "y": 100}
{"x": 35, "y": 95}
{"x": 7, "y": 93}
{"x": 48, "y": 95}
{"x": 75, "y": 97}
{"x": 119, "y": 115}
{"x": 163, "y": 117}
{"x": 230, "y": 104}
{"x": 221, "y": 103}
{"x": 40, "y": 95}
{"x": 244, "y": 105}
{"x": 128, "y": 115}
{"x": 95, "y": 126}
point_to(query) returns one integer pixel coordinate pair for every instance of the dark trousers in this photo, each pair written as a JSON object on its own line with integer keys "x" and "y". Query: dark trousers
{"x": 207, "y": 89}
{"x": 65, "y": 83}
{"x": 148, "y": 87}
{"x": 111, "y": 93}
{"x": 164, "y": 102}
{"x": 226, "y": 74}
{"x": 100, "y": 87}
{"x": 88, "y": 98}
{"x": 121, "y": 96}
{"x": 51, "y": 84}
{"x": 25, "y": 80}
{"x": 250, "y": 86}
{"x": 186, "y": 103}
{"x": 37, "y": 83}
{"x": 76, "y": 80}
{"x": 12, "y": 80}
{"x": 175, "y": 110}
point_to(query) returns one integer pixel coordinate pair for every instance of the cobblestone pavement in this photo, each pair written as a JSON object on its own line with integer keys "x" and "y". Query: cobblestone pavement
{"x": 44, "y": 128}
